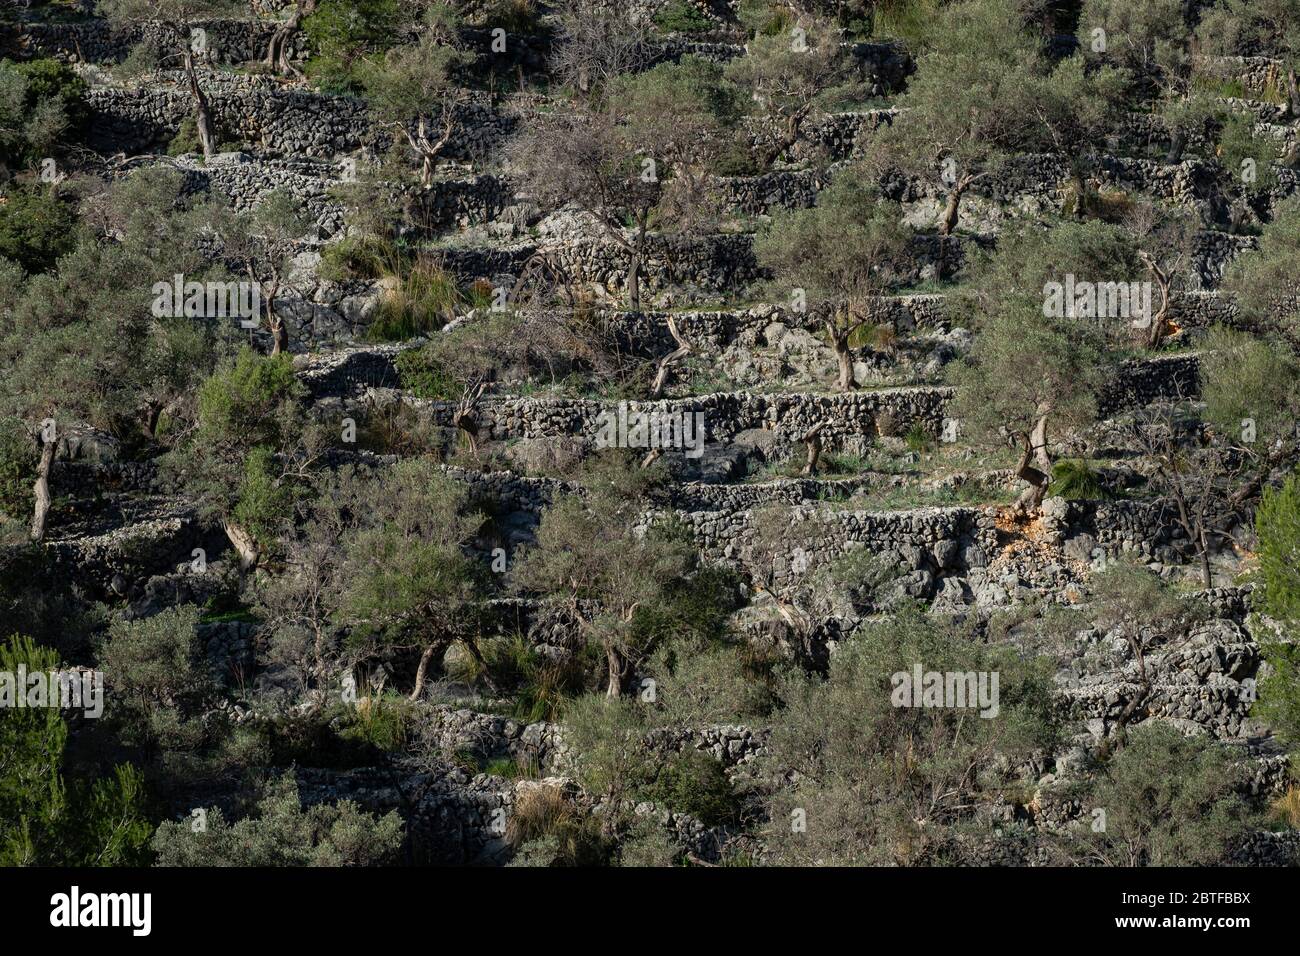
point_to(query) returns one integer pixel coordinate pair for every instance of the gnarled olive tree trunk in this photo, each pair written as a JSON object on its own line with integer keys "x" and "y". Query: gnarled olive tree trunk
{"x": 41, "y": 487}
{"x": 1034, "y": 467}
{"x": 280, "y": 47}
{"x": 202, "y": 111}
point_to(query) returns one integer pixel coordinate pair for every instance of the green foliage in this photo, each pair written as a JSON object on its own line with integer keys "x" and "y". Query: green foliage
{"x": 1075, "y": 481}
{"x": 1277, "y": 523}
{"x": 423, "y": 302}
{"x": 682, "y": 16}
{"x": 250, "y": 433}
{"x": 426, "y": 375}
{"x": 1248, "y": 157}
{"x": 984, "y": 89}
{"x": 341, "y": 34}
{"x": 1279, "y": 692}
{"x": 546, "y": 829}
{"x": 907, "y": 20}
{"x": 36, "y": 228}
{"x": 695, "y": 783}
{"x": 847, "y": 248}
{"x": 1029, "y": 257}
{"x": 158, "y": 683}
{"x": 918, "y": 439}
{"x": 1170, "y": 800}
{"x": 1025, "y": 365}
{"x": 419, "y": 79}
{"x": 607, "y": 735}
{"x": 186, "y": 139}
{"x": 243, "y": 401}
{"x": 383, "y": 722}
{"x": 587, "y": 551}
{"x": 1240, "y": 373}
{"x": 18, "y": 457}
{"x": 90, "y": 322}
{"x": 516, "y": 17}
{"x": 881, "y": 783}
{"x": 265, "y": 501}
{"x": 1264, "y": 281}
{"x": 1128, "y": 596}
{"x": 43, "y": 821}
{"x": 1249, "y": 27}
{"x": 357, "y": 257}
{"x": 786, "y": 81}
{"x": 1151, "y": 40}
{"x": 698, "y": 684}
{"x": 408, "y": 579}
{"x": 540, "y": 686}
{"x": 283, "y": 833}
{"x": 41, "y": 109}
{"x": 696, "y": 607}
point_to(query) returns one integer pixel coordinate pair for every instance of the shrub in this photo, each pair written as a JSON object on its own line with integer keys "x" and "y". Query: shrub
{"x": 357, "y": 257}
{"x": 242, "y": 400}
{"x": 264, "y": 500}
{"x": 682, "y": 16}
{"x": 283, "y": 833}
{"x": 17, "y": 468}
{"x": 36, "y": 228}
{"x": 343, "y": 34}
{"x": 516, "y": 17}
{"x": 43, "y": 820}
{"x": 693, "y": 782}
{"x": 41, "y": 108}
{"x": 424, "y": 375}
{"x": 1170, "y": 800}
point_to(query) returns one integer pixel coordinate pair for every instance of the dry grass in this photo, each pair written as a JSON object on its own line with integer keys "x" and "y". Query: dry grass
{"x": 540, "y": 810}
{"x": 1286, "y": 808}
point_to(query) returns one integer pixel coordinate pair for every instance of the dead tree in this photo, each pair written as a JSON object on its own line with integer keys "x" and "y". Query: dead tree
{"x": 465, "y": 416}
{"x": 668, "y": 361}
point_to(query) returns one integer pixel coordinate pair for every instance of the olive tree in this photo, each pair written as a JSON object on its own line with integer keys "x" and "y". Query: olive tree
{"x": 262, "y": 242}
{"x": 1037, "y": 361}
{"x": 984, "y": 90}
{"x": 410, "y": 581}
{"x": 838, "y": 257}
{"x": 416, "y": 91}
{"x": 876, "y": 779}
{"x": 590, "y": 559}
{"x": 786, "y": 73}
{"x": 82, "y": 342}
{"x": 634, "y": 159}
{"x": 1263, "y": 280}
{"x": 1025, "y": 372}
{"x": 181, "y": 17}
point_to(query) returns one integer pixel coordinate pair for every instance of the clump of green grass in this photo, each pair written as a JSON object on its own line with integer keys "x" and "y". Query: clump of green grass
{"x": 1076, "y": 481}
